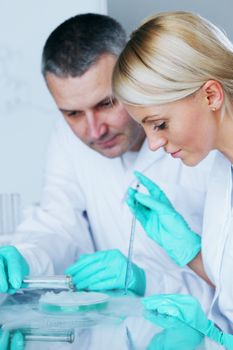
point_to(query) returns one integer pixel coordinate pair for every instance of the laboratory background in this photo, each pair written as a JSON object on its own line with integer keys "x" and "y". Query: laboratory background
{"x": 27, "y": 116}
{"x": 27, "y": 111}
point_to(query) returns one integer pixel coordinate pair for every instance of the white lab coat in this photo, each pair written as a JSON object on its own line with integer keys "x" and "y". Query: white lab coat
{"x": 78, "y": 179}
{"x": 217, "y": 241}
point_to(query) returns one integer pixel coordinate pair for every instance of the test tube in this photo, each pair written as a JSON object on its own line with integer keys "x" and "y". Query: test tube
{"x": 63, "y": 282}
{"x": 48, "y": 335}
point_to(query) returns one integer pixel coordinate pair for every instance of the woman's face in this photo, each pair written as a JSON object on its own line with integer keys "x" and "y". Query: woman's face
{"x": 186, "y": 129}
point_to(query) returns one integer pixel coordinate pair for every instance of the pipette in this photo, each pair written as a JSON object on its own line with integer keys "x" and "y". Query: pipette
{"x": 48, "y": 282}
{"x": 130, "y": 251}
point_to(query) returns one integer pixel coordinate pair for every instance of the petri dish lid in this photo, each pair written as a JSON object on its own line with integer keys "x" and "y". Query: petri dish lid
{"x": 68, "y": 298}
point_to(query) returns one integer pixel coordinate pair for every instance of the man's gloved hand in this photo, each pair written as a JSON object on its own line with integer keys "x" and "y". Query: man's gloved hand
{"x": 13, "y": 269}
{"x": 187, "y": 310}
{"x": 105, "y": 270}
{"x": 12, "y": 341}
{"x": 163, "y": 223}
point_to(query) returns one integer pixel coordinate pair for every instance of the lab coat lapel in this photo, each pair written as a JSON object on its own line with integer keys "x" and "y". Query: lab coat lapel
{"x": 217, "y": 210}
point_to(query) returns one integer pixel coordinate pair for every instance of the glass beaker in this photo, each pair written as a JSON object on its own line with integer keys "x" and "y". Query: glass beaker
{"x": 9, "y": 213}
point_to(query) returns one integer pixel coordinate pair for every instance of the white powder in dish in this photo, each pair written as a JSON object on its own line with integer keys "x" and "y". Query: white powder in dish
{"x": 68, "y": 298}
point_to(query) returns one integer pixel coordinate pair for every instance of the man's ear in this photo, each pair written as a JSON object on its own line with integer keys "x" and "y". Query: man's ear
{"x": 214, "y": 94}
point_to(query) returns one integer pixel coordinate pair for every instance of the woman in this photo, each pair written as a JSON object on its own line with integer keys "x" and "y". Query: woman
{"x": 175, "y": 77}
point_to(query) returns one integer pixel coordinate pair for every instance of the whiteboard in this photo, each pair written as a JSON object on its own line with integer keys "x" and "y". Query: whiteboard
{"x": 27, "y": 111}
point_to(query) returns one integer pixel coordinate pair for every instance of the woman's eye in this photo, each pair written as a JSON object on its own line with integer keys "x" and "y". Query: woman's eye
{"x": 161, "y": 126}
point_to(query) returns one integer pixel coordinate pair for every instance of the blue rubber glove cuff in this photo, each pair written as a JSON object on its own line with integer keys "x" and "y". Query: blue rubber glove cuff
{"x": 214, "y": 333}
{"x": 227, "y": 340}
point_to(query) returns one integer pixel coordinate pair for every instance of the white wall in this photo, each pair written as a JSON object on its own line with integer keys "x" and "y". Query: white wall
{"x": 27, "y": 112}
{"x": 130, "y": 12}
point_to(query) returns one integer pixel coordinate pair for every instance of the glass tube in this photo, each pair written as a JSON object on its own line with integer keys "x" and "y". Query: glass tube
{"x": 48, "y": 335}
{"x": 48, "y": 282}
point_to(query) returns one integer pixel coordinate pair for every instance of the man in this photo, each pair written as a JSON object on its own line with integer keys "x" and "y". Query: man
{"x": 93, "y": 152}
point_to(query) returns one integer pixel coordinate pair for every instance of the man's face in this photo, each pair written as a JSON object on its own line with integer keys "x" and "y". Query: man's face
{"x": 92, "y": 113}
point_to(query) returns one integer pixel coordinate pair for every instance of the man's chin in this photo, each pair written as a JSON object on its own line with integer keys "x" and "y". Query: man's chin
{"x": 111, "y": 152}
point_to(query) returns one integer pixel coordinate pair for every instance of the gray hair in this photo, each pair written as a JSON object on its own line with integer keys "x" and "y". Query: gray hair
{"x": 76, "y": 44}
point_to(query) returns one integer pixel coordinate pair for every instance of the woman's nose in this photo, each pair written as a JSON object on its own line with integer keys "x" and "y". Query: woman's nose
{"x": 155, "y": 142}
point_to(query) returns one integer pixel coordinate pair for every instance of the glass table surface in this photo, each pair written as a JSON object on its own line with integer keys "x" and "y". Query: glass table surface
{"x": 120, "y": 325}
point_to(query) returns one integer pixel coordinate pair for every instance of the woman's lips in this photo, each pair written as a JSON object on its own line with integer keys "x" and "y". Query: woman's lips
{"x": 176, "y": 154}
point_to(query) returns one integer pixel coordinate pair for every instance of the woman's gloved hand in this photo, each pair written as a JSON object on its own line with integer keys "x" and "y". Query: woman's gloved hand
{"x": 180, "y": 337}
{"x": 186, "y": 309}
{"x": 13, "y": 269}
{"x": 175, "y": 336}
{"x": 105, "y": 270}
{"x": 11, "y": 341}
{"x": 162, "y": 222}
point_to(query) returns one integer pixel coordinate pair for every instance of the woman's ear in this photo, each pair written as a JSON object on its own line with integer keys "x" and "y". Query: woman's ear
{"x": 214, "y": 94}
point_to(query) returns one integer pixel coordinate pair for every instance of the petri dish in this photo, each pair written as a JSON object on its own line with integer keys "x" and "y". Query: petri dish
{"x": 71, "y": 302}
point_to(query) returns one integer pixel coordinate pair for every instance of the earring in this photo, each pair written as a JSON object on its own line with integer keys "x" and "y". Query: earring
{"x": 213, "y": 109}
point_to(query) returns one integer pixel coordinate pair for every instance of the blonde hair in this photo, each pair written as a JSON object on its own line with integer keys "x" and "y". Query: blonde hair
{"x": 170, "y": 56}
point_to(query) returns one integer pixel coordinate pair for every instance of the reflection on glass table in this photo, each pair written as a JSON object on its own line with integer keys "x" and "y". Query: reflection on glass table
{"x": 119, "y": 326}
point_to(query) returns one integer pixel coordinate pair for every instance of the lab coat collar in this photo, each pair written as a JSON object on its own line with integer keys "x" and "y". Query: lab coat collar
{"x": 217, "y": 211}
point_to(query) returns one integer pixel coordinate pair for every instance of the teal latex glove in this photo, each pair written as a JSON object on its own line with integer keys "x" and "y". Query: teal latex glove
{"x": 180, "y": 337}
{"x": 13, "y": 269}
{"x": 176, "y": 336}
{"x": 162, "y": 222}
{"x": 11, "y": 341}
{"x": 186, "y": 309}
{"x": 105, "y": 270}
